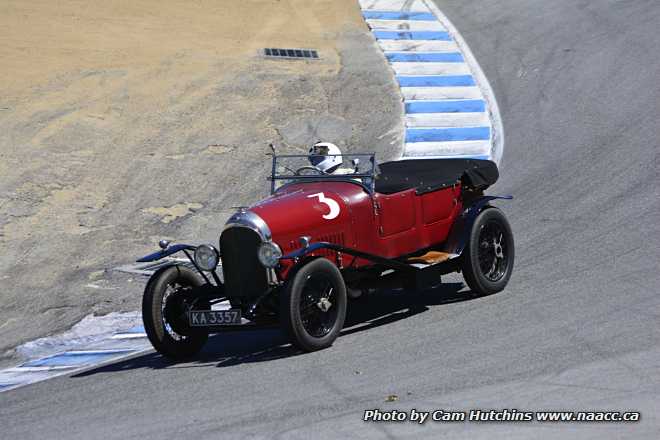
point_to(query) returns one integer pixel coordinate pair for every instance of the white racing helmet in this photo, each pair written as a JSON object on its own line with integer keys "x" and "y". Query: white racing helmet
{"x": 319, "y": 156}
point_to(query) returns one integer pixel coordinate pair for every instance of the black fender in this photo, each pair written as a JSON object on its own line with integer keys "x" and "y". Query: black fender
{"x": 158, "y": 273}
{"x": 166, "y": 252}
{"x": 460, "y": 230}
{"x": 301, "y": 261}
{"x": 205, "y": 290}
{"x": 159, "y": 255}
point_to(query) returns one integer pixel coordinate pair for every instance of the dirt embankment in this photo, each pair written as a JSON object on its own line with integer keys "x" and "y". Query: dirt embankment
{"x": 123, "y": 122}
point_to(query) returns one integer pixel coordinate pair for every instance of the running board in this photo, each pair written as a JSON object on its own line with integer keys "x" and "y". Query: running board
{"x": 426, "y": 276}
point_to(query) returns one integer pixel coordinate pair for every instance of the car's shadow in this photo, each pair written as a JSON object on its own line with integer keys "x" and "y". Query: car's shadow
{"x": 232, "y": 348}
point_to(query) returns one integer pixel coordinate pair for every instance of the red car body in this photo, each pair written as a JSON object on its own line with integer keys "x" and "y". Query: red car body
{"x": 387, "y": 225}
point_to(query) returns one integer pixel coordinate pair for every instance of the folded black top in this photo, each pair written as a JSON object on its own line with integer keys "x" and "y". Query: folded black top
{"x": 428, "y": 175}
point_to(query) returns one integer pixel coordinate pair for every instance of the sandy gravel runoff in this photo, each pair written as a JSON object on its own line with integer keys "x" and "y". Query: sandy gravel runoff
{"x": 122, "y": 122}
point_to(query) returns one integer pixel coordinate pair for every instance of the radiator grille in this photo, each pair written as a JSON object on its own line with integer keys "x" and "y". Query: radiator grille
{"x": 244, "y": 275}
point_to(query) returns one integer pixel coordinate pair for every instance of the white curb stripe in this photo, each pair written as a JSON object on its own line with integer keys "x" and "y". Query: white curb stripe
{"x": 404, "y": 25}
{"x": 449, "y": 148}
{"x": 477, "y": 119}
{"x": 129, "y": 335}
{"x": 44, "y": 369}
{"x": 416, "y": 68}
{"x": 438, "y": 93}
{"x": 394, "y": 5}
{"x": 418, "y": 45}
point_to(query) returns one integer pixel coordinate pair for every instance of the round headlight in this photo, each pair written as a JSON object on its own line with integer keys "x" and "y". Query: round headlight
{"x": 206, "y": 257}
{"x": 269, "y": 254}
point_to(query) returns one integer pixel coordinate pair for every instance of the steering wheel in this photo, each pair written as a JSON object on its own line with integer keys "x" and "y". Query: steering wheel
{"x": 310, "y": 168}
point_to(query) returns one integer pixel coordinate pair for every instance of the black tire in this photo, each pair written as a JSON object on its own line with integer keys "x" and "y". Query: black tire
{"x": 487, "y": 260}
{"x": 309, "y": 327}
{"x": 179, "y": 341}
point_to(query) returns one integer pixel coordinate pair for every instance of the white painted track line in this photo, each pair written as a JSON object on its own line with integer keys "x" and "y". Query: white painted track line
{"x": 413, "y": 68}
{"x": 405, "y": 25}
{"x": 476, "y": 119}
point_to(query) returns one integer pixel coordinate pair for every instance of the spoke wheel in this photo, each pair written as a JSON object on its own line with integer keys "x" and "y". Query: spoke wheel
{"x": 492, "y": 251}
{"x": 317, "y": 305}
{"x": 313, "y": 305}
{"x": 487, "y": 260}
{"x": 165, "y": 306}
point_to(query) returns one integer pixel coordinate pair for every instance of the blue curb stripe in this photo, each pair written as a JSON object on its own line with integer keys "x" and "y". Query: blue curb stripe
{"x": 468, "y": 105}
{"x": 442, "y": 57}
{"x": 436, "y": 81}
{"x": 75, "y": 358}
{"x": 7, "y": 385}
{"x": 136, "y": 329}
{"x": 395, "y": 15}
{"x": 412, "y": 35}
{"x": 447, "y": 134}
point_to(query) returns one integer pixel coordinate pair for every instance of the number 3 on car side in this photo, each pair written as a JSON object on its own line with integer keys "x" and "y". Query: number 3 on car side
{"x": 332, "y": 205}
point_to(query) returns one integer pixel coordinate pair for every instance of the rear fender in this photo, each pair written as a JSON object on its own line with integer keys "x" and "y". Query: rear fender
{"x": 460, "y": 230}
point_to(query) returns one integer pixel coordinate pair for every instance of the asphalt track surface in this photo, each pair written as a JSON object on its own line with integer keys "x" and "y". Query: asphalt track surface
{"x": 577, "y": 328}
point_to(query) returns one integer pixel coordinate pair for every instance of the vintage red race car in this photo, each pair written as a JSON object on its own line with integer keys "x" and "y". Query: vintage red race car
{"x": 295, "y": 258}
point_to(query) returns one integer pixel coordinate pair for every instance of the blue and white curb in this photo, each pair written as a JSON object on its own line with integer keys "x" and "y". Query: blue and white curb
{"x": 80, "y": 356}
{"x": 449, "y": 108}
{"x": 93, "y": 342}
{"x": 65, "y": 363}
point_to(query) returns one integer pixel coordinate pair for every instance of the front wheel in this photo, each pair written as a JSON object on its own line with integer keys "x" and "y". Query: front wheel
{"x": 313, "y": 305}
{"x": 487, "y": 260}
{"x": 164, "y": 312}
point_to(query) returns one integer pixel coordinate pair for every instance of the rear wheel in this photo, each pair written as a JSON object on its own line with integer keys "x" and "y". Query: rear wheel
{"x": 165, "y": 307}
{"x": 487, "y": 260}
{"x": 313, "y": 305}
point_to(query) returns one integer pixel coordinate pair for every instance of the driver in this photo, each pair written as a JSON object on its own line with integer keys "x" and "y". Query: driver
{"x": 325, "y": 156}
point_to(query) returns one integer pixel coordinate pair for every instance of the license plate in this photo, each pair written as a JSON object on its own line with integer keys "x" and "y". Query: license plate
{"x": 203, "y": 318}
